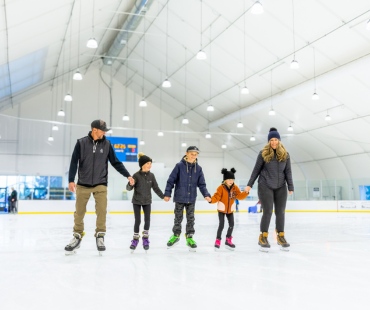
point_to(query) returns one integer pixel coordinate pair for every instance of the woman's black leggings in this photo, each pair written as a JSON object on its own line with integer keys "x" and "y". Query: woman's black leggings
{"x": 137, "y": 213}
{"x": 272, "y": 199}
{"x": 230, "y": 218}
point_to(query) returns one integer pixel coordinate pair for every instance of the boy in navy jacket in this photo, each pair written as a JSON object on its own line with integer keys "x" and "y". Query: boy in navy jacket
{"x": 186, "y": 177}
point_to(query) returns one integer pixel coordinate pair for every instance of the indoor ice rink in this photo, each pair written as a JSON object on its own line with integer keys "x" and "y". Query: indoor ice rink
{"x": 166, "y": 75}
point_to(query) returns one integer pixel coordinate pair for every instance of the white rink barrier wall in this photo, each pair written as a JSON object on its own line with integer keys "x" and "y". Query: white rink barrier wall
{"x": 125, "y": 206}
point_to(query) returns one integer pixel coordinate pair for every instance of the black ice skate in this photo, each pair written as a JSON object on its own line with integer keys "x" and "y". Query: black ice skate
{"x": 100, "y": 242}
{"x": 263, "y": 242}
{"x": 134, "y": 242}
{"x": 284, "y": 245}
{"x": 146, "y": 240}
{"x": 74, "y": 244}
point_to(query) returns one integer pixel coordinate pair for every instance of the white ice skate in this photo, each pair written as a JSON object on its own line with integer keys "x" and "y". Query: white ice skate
{"x": 74, "y": 244}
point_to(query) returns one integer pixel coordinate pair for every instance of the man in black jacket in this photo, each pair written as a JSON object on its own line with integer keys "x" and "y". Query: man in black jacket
{"x": 13, "y": 201}
{"x": 91, "y": 155}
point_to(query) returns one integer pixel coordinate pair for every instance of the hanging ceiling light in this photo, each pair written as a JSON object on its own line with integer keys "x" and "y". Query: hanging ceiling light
{"x": 142, "y": 142}
{"x": 61, "y": 113}
{"x": 240, "y": 125}
{"x": 185, "y": 121}
{"x": 210, "y": 108}
{"x": 257, "y": 8}
{"x": 327, "y": 117}
{"x": 183, "y": 144}
{"x": 166, "y": 83}
{"x": 272, "y": 112}
{"x": 92, "y": 43}
{"x": 125, "y": 117}
{"x": 77, "y": 76}
{"x": 294, "y": 64}
{"x": 160, "y": 133}
{"x": 110, "y": 131}
{"x": 252, "y": 138}
{"x": 143, "y": 103}
{"x": 68, "y": 97}
{"x": 224, "y": 146}
{"x": 208, "y": 135}
{"x": 201, "y": 55}
{"x": 244, "y": 90}
{"x": 315, "y": 96}
{"x": 55, "y": 128}
{"x": 290, "y": 128}
{"x": 368, "y": 25}
{"x": 50, "y": 138}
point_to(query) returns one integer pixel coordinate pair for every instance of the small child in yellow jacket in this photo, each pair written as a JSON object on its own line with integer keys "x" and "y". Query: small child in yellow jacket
{"x": 225, "y": 197}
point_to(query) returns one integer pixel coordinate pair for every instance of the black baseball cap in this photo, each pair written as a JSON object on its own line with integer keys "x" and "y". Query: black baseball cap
{"x": 99, "y": 124}
{"x": 193, "y": 149}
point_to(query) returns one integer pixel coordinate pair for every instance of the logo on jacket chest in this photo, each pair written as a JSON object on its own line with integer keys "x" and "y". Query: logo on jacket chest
{"x": 101, "y": 151}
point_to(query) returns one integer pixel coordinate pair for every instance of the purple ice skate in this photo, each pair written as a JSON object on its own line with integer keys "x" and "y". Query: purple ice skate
{"x": 134, "y": 243}
{"x": 146, "y": 243}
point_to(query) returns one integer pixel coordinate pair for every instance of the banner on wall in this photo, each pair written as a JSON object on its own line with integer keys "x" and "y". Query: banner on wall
{"x": 353, "y": 205}
{"x": 125, "y": 148}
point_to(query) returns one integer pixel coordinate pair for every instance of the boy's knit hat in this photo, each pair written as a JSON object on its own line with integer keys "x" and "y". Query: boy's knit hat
{"x": 228, "y": 174}
{"x": 143, "y": 159}
{"x": 273, "y": 134}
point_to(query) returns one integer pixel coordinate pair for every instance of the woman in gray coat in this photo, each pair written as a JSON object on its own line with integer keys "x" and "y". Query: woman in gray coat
{"x": 274, "y": 174}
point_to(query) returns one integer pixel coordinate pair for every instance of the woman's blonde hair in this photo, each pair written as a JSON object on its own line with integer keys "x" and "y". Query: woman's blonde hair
{"x": 268, "y": 152}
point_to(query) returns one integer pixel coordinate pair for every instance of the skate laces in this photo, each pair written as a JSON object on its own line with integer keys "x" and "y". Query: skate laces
{"x": 100, "y": 241}
{"x": 229, "y": 240}
{"x": 190, "y": 240}
{"x": 218, "y": 242}
{"x": 135, "y": 242}
{"x": 173, "y": 238}
{"x": 281, "y": 239}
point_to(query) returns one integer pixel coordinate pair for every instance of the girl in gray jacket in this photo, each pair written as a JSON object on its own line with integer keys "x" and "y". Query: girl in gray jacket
{"x": 142, "y": 198}
{"x": 274, "y": 176}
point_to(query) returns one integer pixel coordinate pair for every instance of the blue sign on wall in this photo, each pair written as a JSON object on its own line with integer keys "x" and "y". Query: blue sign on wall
{"x": 125, "y": 148}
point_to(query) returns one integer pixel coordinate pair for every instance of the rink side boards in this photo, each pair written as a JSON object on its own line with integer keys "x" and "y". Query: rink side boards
{"x": 202, "y": 207}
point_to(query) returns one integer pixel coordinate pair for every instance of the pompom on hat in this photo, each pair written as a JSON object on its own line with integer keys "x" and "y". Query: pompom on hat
{"x": 228, "y": 174}
{"x": 273, "y": 133}
{"x": 143, "y": 159}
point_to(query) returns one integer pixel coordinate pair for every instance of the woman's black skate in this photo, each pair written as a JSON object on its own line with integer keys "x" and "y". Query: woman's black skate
{"x": 263, "y": 242}
{"x": 100, "y": 242}
{"x": 74, "y": 244}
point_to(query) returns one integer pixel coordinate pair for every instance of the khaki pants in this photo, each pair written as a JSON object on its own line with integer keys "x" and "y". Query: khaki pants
{"x": 82, "y": 197}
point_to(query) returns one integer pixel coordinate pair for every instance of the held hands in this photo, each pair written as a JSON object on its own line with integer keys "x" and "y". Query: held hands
{"x": 72, "y": 187}
{"x": 247, "y": 189}
{"x": 208, "y": 199}
{"x": 290, "y": 192}
{"x": 131, "y": 180}
{"x": 166, "y": 199}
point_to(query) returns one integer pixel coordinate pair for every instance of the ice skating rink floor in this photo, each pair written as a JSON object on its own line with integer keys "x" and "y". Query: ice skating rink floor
{"x": 328, "y": 266}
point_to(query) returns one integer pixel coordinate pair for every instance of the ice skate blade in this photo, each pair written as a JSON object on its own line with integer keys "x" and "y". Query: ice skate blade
{"x": 169, "y": 247}
{"x": 192, "y": 249}
{"x": 70, "y": 253}
{"x": 286, "y": 249}
{"x": 265, "y": 250}
{"x": 229, "y": 248}
{"x": 217, "y": 249}
{"x": 101, "y": 253}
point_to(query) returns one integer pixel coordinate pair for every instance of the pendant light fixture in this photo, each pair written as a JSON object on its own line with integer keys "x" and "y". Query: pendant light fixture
{"x": 185, "y": 121}
{"x": 143, "y": 103}
{"x": 223, "y": 146}
{"x": 294, "y": 64}
{"x": 125, "y": 117}
{"x": 160, "y": 132}
{"x": 50, "y": 139}
{"x": 257, "y": 8}
{"x": 368, "y": 25}
{"x": 201, "y": 55}
{"x": 272, "y": 111}
{"x": 245, "y": 90}
{"x": 315, "y": 96}
{"x": 252, "y": 138}
{"x": 240, "y": 124}
{"x": 327, "y": 117}
{"x": 183, "y": 144}
{"x": 77, "y": 76}
{"x": 166, "y": 83}
{"x": 290, "y": 128}
{"x": 92, "y": 43}
{"x": 68, "y": 96}
{"x": 210, "y": 107}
